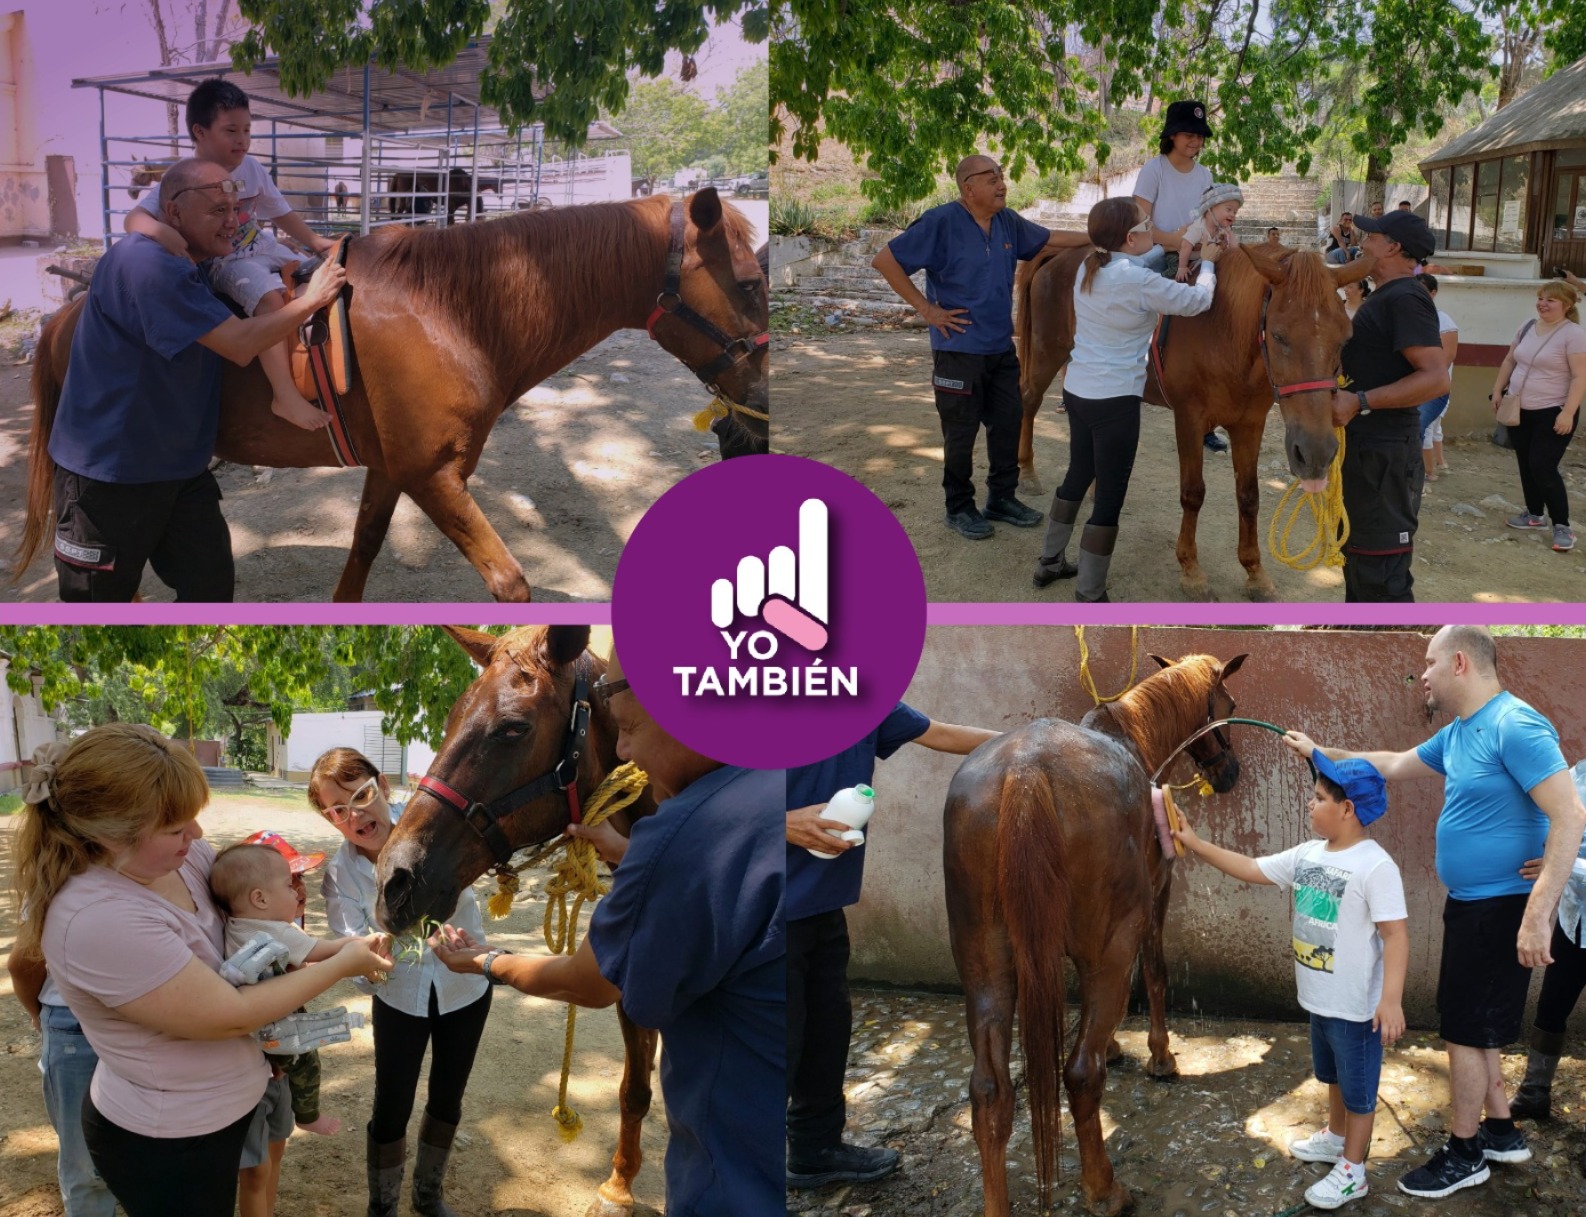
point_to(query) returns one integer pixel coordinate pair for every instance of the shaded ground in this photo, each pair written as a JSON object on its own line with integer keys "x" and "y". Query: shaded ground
{"x": 509, "y": 1160}
{"x": 564, "y": 478}
{"x": 1215, "y": 1141}
{"x": 862, "y": 403}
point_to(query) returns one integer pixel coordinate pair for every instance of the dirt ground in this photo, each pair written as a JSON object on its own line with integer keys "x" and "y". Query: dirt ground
{"x": 862, "y": 403}
{"x": 565, "y": 477}
{"x": 509, "y": 1160}
{"x": 1213, "y": 1141}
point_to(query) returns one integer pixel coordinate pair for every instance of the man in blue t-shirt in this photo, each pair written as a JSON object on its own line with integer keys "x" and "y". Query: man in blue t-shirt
{"x": 135, "y": 429}
{"x": 1507, "y": 793}
{"x": 969, "y": 251}
{"x": 819, "y": 1015}
{"x": 691, "y": 940}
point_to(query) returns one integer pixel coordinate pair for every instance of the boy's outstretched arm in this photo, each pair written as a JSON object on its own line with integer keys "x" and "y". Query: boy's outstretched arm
{"x": 294, "y": 226}
{"x": 1389, "y": 1018}
{"x": 1239, "y": 866}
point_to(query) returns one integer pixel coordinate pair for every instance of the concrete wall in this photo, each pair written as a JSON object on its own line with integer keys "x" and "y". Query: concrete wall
{"x": 313, "y": 734}
{"x": 1226, "y": 943}
{"x": 24, "y": 191}
{"x": 23, "y": 727}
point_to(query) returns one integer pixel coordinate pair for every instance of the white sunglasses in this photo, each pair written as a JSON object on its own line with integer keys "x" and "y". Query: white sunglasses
{"x": 340, "y": 813}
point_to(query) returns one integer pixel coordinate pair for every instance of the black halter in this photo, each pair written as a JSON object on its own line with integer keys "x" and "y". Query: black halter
{"x": 670, "y": 304}
{"x": 485, "y": 819}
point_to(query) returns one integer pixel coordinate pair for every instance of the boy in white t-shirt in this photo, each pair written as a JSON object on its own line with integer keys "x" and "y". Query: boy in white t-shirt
{"x": 1351, "y": 953}
{"x": 219, "y": 123}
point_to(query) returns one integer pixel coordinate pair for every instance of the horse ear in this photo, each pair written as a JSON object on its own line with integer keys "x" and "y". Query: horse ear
{"x": 479, "y": 645}
{"x": 565, "y": 643}
{"x": 1232, "y": 666}
{"x": 704, "y": 208}
{"x": 1162, "y": 663}
{"x": 1275, "y": 273}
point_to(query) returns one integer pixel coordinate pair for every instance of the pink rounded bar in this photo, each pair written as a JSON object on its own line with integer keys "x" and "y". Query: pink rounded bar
{"x": 794, "y": 623}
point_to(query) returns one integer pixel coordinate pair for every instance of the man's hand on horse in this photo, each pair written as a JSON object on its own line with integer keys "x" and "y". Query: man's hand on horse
{"x": 329, "y": 278}
{"x": 456, "y": 949}
{"x": 610, "y": 844}
{"x": 1300, "y": 742}
{"x": 1212, "y": 251}
{"x": 806, "y": 829}
{"x": 949, "y": 320}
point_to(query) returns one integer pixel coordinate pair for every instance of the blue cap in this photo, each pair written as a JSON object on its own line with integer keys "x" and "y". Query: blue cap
{"x": 1363, "y": 785}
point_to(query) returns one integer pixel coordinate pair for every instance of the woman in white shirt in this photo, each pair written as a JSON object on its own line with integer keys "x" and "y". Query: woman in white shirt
{"x": 1117, "y": 304}
{"x": 421, "y": 1003}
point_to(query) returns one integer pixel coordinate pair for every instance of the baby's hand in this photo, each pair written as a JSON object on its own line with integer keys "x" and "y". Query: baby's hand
{"x": 1182, "y": 276}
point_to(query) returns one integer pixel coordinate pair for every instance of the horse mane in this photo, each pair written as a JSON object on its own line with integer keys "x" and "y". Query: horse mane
{"x": 1159, "y": 712}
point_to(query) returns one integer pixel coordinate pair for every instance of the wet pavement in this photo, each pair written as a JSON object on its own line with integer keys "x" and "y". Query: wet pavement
{"x": 1214, "y": 1141}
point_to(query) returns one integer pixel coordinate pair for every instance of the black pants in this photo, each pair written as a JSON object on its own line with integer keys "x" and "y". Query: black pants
{"x": 162, "y": 1176}
{"x": 1383, "y": 479}
{"x": 1562, "y": 983}
{"x": 106, "y": 532}
{"x": 1103, "y": 437}
{"x": 399, "y": 1042}
{"x": 1539, "y": 452}
{"x": 819, "y": 1025}
{"x": 974, "y": 391}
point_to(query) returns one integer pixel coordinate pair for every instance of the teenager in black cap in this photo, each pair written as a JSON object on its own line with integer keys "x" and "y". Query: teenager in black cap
{"x": 1392, "y": 363}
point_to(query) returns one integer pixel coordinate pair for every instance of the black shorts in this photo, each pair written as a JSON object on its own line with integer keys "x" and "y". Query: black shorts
{"x": 107, "y": 532}
{"x": 1482, "y": 986}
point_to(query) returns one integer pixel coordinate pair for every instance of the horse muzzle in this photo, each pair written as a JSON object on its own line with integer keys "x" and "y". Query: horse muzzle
{"x": 1224, "y": 774}
{"x": 405, "y": 901}
{"x": 1310, "y": 448}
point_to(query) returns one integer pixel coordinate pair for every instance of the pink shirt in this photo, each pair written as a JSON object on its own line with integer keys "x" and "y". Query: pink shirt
{"x": 108, "y": 941}
{"x": 1541, "y": 366}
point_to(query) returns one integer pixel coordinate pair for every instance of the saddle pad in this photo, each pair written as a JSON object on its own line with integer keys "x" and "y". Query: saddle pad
{"x": 338, "y": 351}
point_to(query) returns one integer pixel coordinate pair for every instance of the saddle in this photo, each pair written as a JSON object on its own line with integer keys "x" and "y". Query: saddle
{"x": 321, "y": 354}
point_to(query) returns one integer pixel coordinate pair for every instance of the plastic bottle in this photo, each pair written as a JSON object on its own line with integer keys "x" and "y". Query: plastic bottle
{"x": 852, "y": 806}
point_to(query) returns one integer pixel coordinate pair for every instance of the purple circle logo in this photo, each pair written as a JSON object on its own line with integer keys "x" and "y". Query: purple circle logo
{"x": 769, "y": 611}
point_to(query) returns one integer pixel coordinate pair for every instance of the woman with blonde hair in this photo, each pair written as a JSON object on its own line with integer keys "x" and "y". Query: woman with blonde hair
{"x": 1545, "y": 370}
{"x": 115, "y": 876}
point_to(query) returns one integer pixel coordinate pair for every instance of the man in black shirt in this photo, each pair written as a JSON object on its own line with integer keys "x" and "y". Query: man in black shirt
{"x": 1392, "y": 363}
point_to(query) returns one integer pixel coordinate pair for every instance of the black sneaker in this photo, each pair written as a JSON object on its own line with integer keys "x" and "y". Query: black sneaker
{"x": 970, "y": 524}
{"x": 1011, "y": 511}
{"x": 1215, "y": 442}
{"x": 1502, "y": 1147}
{"x": 1444, "y": 1175}
{"x": 839, "y": 1164}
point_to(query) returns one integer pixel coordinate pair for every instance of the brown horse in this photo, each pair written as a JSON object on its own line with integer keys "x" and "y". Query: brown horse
{"x": 1050, "y": 850}
{"x": 450, "y": 326}
{"x": 417, "y": 193}
{"x": 145, "y": 175}
{"x": 508, "y": 730}
{"x": 1273, "y": 333}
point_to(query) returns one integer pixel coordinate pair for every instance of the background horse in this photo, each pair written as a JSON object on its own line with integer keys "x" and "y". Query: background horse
{"x": 450, "y": 326}
{"x": 145, "y": 175}
{"x": 1050, "y": 850}
{"x": 507, "y": 729}
{"x": 416, "y": 193}
{"x": 1275, "y": 325}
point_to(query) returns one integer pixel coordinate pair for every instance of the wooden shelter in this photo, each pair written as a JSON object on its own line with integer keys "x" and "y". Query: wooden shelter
{"x": 1517, "y": 183}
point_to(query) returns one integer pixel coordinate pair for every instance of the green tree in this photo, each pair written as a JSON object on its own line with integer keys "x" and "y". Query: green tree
{"x": 741, "y": 120}
{"x": 559, "y": 62}
{"x": 667, "y": 128}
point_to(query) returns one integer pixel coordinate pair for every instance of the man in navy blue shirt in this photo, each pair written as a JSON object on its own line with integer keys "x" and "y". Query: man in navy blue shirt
{"x": 135, "y": 429}
{"x": 819, "y": 1014}
{"x": 969, "y": 251}
{"x": 691, "y": 940}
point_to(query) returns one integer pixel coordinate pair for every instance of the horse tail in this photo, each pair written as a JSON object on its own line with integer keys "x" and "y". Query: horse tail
{"x": 49, "y": 374}
{"x": 1035, "y": 895}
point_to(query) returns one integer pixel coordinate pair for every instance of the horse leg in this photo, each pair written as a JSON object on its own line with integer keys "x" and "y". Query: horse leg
{"x": 990, "y": 1004}
{"x": 1104, "y": 995}
{"x": 615, "y": 1197}
{"x": 1246, "y": 438}
{"x": 1190, "y": 433}
{"x": 445, "y": 499}
{"x": 368, "y": 534}
{"x": 1163, "y": 1065}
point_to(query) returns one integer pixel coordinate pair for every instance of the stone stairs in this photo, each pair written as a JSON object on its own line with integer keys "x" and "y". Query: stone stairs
{"x": 1287, "y": 203}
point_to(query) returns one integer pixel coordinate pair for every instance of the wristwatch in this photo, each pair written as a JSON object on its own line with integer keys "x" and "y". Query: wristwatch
{"x": 1365, "y": 409}
{"x": 490, "y": 958}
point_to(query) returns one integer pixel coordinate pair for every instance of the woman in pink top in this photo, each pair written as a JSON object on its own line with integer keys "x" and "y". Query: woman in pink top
{"x": 1546, "y": 369}
{"x": 111, "y": 861}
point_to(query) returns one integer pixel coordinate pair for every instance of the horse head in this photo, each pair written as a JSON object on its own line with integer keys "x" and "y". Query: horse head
{"x": 716, "y": 318}
{"x": 1203, "y": 700}
{"x": 498, "y": 783}
{"x": 1303, "y": 331}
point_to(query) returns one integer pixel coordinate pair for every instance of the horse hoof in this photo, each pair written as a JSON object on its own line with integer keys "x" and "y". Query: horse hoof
{"x": 1199, "y": 590}
{"x": 1030, "y": 485}
{"x": 608, "y": 1208}
{"x": 1115, "y": 1055}
{"x": 1262, "y": 593}
{"x": 1111, "y": 1203}
{"x": 1165, "y": 1070}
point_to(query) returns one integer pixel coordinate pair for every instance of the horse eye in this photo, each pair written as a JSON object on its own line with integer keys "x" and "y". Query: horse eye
{"x": 513, "y": 730}
{"x": 750, "y": 287}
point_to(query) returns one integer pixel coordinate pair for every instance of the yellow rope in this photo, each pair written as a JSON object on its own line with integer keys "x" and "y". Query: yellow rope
{"x": 721, "y": 407}
{"x": 1088, "y": 683}
{"x": 576, "y": 875}
{"x": 1327, "y": 512}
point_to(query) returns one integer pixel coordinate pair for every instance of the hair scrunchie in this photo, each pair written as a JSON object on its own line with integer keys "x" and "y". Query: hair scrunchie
{"x": 41, "y": 783}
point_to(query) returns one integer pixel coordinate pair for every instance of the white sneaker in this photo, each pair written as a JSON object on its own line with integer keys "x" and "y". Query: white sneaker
{"x": 1323, "y": 1145}
{"x": 1343, "y": 1184}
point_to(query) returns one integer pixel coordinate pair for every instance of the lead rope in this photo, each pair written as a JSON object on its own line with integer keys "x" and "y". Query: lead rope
{"x": 575, "y": 875}
{"x": 1327, "y": 512}
{"x": 1088, "y": 683}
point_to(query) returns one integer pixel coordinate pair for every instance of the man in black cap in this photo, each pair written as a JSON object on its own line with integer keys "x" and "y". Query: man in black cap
{"x": 1392, "y": 363}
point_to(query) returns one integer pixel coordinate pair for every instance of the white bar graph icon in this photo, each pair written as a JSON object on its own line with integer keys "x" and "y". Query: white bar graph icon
{"x": 790, "y": 589}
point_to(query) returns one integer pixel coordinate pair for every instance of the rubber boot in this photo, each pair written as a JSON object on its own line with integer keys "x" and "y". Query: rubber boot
{"x": 385, "y": 1174}
{"x": 1095, "y": 556}
{"x": 1054, "y": 563}
{"x": 429, "y": 1167}
{"x": 1534, "y": 1099}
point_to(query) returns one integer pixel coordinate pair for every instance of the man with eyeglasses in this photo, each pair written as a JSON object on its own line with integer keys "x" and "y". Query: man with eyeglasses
{"x": 690, "y": 939}
{"x": 970, "y": 250}
{"x": 140, "y": 407}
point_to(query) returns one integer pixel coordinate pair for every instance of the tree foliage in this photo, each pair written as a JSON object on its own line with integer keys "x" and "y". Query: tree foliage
{"x": 558, "y": 62}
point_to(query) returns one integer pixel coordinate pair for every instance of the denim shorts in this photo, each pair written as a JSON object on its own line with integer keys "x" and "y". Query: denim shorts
{"x": 1349, "y": 1055}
